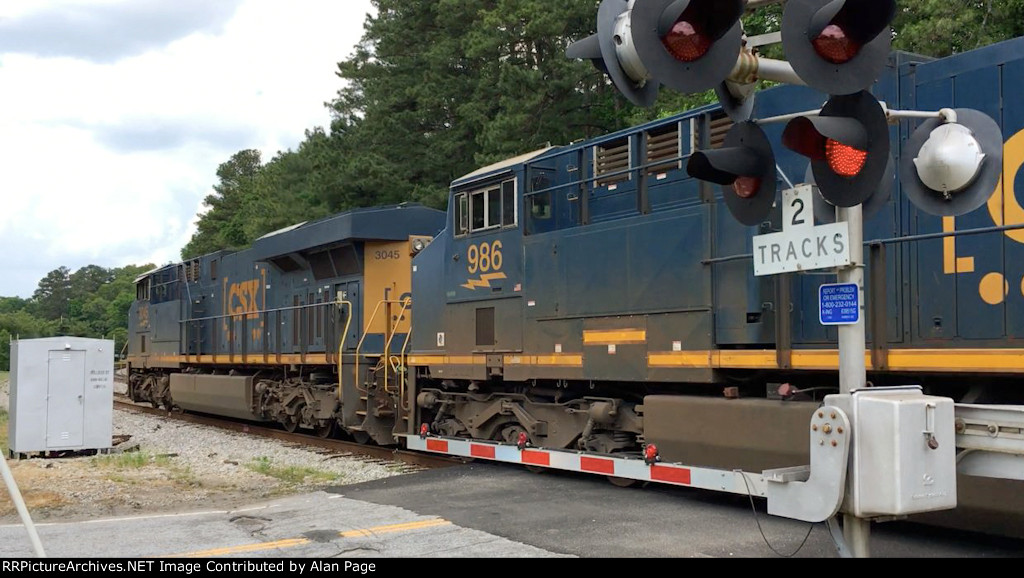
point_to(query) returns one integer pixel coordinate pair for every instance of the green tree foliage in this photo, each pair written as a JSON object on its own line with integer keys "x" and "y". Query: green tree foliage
{"x": 439, "y": 88}
{"x": 942, "y": 27}
{"x": 53, "y": 295}
{"x": 222, "y": 226}
{"x": 90, "y": 302}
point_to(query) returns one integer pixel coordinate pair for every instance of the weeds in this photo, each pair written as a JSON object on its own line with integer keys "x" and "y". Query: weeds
{"x": 131, "y": 460}
{"x": 291, "y": 474}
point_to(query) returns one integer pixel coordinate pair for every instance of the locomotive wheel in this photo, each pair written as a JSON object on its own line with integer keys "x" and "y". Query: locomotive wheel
{"x": 361, "y": 437}
{"x": 291, "y": 422}
{"x": 325, "y": 430}
{"x": 149, "y": 388}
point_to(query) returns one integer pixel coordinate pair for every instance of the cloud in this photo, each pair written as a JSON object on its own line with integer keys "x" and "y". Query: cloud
{"x": 106, "y": 33}
{"x": 108, "y": 163}
{"x": 142, "y": 135}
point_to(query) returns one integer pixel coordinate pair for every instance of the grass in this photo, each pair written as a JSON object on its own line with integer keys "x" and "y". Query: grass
{"x": 123, "y": 466}
{"x": 130, "y": 460}
{"x": 291, "y": 474}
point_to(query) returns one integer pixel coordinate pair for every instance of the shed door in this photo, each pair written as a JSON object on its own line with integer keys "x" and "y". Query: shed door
{"x": 65, "y": 401}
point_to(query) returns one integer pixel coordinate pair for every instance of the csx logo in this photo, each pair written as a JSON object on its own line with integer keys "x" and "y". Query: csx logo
{"x": 1005, "y": 209}
{"x": 244, "y": 297}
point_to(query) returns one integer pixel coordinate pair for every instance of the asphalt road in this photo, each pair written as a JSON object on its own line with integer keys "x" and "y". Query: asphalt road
{"x": 486, "y": 510}
{"x": 587, "y": 516}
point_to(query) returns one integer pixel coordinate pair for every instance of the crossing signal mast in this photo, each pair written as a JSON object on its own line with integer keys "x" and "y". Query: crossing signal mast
{"x": 950, "y": 166}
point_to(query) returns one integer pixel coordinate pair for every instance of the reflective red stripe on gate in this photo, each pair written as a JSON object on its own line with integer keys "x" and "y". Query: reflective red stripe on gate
{"x": 437, "y": 446}
{"x": 671, "y": 475}
{"x": 536, "y": 458}
{"x": 479, "y": 451}
{"x": 597, "y": 465}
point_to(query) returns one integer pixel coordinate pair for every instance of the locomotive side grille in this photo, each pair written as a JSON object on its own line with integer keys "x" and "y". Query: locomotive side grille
{"x": 192, "y": 271}
{"x": 663, "y": 145}
{"x": 610, "y": 158}
{"x": 719, "y": 126}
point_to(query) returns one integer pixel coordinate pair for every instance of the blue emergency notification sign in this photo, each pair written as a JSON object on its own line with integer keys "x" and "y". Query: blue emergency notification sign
{"x": 839, "y": 304}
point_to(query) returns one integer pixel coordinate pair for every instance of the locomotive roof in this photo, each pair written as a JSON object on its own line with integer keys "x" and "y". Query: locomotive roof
{"x": 500, "y": 166}
{"x": 391, "y": 223}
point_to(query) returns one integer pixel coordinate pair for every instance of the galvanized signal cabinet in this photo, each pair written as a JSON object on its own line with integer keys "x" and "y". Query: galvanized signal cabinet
{"x": 62, "y": 395}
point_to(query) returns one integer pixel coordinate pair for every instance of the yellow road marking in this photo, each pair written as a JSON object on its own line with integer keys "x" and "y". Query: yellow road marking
{"x": 293, "y": 542}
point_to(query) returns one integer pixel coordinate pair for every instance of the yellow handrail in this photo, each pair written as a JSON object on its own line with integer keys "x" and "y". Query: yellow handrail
{"x": 387, "y": 344}
{"x": 341, "y": 344}
{"x": 366, "y": 332}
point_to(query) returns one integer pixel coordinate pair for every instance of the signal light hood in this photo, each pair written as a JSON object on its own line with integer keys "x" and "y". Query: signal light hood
{"x": 838, "y": 46}
{"x": 858, "y": 124}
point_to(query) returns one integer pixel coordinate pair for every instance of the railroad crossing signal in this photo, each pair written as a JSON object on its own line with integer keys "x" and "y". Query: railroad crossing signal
{"x": 848, "y": 144}
{"x": 687, "y": 45}
{"x": 948, "y": 167}
{"x": 825, "y": 212}
{"x": 745, "y": 167}
{"x": 838, "y": 46}
{"x": 952, "y": 168}
{"x": 613, "y": 51}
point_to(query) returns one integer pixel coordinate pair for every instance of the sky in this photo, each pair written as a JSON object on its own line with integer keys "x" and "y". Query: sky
{"x": 115, "y": 114}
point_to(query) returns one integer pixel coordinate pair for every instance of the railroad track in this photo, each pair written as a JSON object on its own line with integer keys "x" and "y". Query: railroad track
{"x": 330, "y": 447}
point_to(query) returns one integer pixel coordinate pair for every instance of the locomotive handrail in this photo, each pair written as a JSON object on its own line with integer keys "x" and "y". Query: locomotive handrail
{"x": 257, "y": 312}
{"x": 893, "y": 240}
{"x": 387, "y": 344}
{"x": 341, "y": 342}
{"x": 603, "y": 176}
{"x": 366, "y": 332}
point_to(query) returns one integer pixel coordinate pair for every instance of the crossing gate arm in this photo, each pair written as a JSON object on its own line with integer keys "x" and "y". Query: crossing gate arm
{"x": 729, "y": 481}
{"x": 991, "y": 440}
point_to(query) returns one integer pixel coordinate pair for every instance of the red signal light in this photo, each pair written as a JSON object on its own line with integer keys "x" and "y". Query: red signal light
{"x": 686, "y": 41}
{"x": 651, "y": 454}
{"x": 746, "y": 187}
{"x": 424, "y": 430}
{"x": 835, "y": 46}
{"x": 522, "y": 441}
{"x": 844, "y": 160}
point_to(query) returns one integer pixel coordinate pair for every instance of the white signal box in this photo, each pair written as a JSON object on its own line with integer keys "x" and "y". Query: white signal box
{"x": 801, "y": 246}
{"x": 902, "y": 454}
{"x": 62, "y": 395}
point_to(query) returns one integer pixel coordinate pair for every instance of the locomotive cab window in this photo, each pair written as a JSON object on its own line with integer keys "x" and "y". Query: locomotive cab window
{"x": 461, "y": 215}
{"x": 490, "y": 208}
{"x": 508, "y": 204}
{"x": 540, "y": 206}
